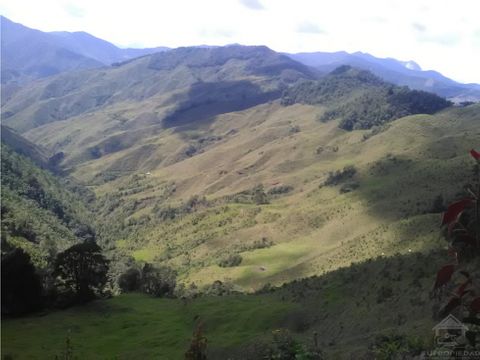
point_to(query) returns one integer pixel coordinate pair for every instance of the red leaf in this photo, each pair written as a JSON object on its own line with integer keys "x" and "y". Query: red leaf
{"x": 461, "y": 289}
{"x": 444, "y": 275}
{"x": 452, "y": 304}
{"x": 454, "y": 210}
{"x": 451, "y": 226}
{"x": 475, "y": 154}
{"x": 475, "y": 305}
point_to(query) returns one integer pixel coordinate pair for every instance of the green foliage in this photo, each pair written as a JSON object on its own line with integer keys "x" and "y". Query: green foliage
{"x": 339, "y": 84}
{"x": 284, "y": 346}
{"x": 82, "y": 271}
{"x": 392, "y": 346}
{"x": 158, "y": 281}
{"x": 231, "y": 261}
{"x": 21, "y": 285}
{"x": 40, "y": 208}
{"x": 280, "y": 190}
{"x": 362, "y": 100}
{"x": 133, "y": 326}
{"x": 130, "y": 280}
{"x": 339, "y": 176}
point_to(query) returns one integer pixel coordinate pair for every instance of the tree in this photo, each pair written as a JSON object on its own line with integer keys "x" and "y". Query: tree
{"x": 158, "y": 281}
{"x": 82, "y": 270}
{"x": 130, "y": 280}
{"x": 21, "y": 285}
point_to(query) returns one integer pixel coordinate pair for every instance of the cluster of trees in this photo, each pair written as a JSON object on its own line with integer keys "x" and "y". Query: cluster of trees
{"x": 156, "y": 281}
{"x": 77, "y": 275}
{"x": 335, "y": 87}
{"x": 361, "y": 100}
{"x": 339, "y": 176}
{"x": 39, "y": 209}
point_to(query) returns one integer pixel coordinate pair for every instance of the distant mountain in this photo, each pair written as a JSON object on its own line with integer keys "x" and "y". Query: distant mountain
{"x": 29, "y": 54}
{"x": 24, "y": 147}
{"x": 98, "y": 49}
{"x": 187, "y": 84}
{"x": 405, "y": 73}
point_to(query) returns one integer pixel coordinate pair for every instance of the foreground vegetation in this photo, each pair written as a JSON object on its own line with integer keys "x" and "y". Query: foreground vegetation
{"x": 354, "y": 311}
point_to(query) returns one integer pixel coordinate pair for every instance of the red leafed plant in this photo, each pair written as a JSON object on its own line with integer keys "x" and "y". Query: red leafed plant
{"x": 462, "y": 220}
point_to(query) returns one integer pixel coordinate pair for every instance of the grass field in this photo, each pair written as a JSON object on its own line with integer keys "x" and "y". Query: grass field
{"x": 135, "y": 326}
{"x": 348, "y": 308}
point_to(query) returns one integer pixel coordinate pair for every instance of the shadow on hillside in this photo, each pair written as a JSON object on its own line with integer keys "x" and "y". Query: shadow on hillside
{"x": 397, "y": 187}
{"x": 349, "y": 307}
{"x": 205, "y": 100}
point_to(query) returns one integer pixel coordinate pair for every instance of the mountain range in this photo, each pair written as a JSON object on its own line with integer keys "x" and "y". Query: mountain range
{"x": 243, "y": 170}
{"x": 404, "y": 73}
{"x": 29, "y": 54}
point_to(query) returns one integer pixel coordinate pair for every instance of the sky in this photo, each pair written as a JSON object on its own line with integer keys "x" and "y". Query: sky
{"x": 438, "y": 34}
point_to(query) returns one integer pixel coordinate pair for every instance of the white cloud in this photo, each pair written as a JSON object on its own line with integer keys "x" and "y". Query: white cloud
{"x": 440, "y": 35}
{"x": 252, "y": 4}
{"x": 309, "y": 28}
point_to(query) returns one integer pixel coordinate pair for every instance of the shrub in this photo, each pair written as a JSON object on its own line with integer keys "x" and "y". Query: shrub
{"x": 231, "y": 261}
{"x": 158, "y": 281}
{"x": 130, "y": 280}
{"x": 336, "y": 177}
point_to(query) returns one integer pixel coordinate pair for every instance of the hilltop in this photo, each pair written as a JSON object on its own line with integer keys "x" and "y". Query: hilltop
{"x": 29, "y": 54}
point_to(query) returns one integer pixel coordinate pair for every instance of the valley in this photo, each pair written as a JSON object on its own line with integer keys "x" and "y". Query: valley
{"x": 271, "y": 194}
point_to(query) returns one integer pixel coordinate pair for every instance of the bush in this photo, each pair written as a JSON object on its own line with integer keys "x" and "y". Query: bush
{"x": 336, "y": 177}
{"x": 395, "y": 346}
{"x": 218, "y": 288}
{"x": 279, "y": 190}
{"x": 130, "y": 280}
{"x": 158, "y": 281}
{"x": 231, "y": 261}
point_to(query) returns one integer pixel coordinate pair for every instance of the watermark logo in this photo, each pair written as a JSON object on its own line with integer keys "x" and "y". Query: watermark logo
{"x": 449, "y": 332}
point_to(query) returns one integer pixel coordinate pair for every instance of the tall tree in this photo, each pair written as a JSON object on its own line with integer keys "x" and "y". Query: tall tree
{"x": 82, "y": 269}
{"x": 21, "y": 285}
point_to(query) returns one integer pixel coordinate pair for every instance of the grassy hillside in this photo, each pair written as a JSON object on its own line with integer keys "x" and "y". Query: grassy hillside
{"x": 153, "y": 85}
{"x": 354, "y": 311}
{"x": 309, "y": 228}
{"x": 182, "y": 192}
{"x": 196, "y": 164}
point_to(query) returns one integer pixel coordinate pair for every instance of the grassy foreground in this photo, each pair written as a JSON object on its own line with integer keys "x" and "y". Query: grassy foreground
{"x": 348, "y": 309}
{"x": 135, "y": 326}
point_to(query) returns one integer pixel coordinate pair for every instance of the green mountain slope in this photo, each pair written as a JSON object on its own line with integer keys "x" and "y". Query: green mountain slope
{"x": 41, "y": 213}
{"x": 157, "y": 85}
{"x": 219, "y": 180}
{"x": 361, "y": 99}
{"x": 309, "y": 228}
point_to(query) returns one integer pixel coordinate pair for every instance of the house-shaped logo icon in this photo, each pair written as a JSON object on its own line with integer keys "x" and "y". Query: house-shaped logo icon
{"x": 449, "y": 330}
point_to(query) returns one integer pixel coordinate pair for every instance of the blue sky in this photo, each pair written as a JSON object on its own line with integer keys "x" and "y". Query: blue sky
{"x": 437, "y": 34}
